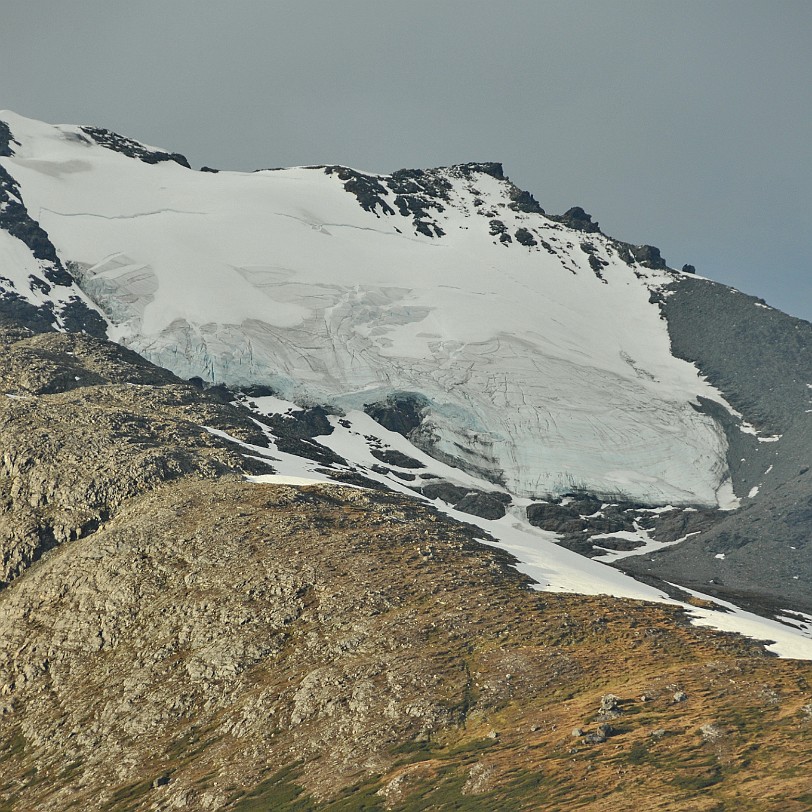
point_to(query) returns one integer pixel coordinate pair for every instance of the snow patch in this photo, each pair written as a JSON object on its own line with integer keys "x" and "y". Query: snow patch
{"x": 282, "y": 479}
{"x": 726, "y": 498}
{"x": 794, "y": 643}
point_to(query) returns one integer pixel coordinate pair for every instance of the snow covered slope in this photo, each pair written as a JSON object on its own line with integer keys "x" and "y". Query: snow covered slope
{"x": 534, "y": 344}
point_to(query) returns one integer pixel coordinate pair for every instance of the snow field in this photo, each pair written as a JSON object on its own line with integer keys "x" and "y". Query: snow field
{"x": 533, "y": 366}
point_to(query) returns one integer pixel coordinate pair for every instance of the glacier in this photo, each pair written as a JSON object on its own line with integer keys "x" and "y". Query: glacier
{"x": 537, "y": 346}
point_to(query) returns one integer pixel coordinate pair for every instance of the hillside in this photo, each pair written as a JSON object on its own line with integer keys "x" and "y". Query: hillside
{"x": 326, "y": 489}
{"x": 184, "y": 639}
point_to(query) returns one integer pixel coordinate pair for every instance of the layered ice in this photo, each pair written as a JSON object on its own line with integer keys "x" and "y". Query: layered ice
{"x": 542, "y": 359}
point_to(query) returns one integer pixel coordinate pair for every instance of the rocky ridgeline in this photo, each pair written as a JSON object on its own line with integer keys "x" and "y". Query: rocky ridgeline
{"x": 132, "y": 149}
{"x": 421, "y": 194}
{"x": 173, "y": 637}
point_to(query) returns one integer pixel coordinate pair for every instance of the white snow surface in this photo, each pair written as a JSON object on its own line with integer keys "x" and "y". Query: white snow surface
{"x": 282, "y": 479}
{"x": 535, "y": 369}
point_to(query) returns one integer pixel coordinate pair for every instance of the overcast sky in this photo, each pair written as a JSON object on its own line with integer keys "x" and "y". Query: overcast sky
{"x": 686, "y": 124}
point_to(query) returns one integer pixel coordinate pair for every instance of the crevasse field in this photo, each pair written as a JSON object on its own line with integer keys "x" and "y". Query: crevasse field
{"x": 536, "y": 370}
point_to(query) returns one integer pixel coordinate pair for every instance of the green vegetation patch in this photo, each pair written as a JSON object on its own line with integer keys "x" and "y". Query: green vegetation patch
{"x": 128, "y": 797}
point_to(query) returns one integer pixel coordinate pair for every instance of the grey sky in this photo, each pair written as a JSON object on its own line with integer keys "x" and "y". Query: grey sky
{"x": 685, "y": 124}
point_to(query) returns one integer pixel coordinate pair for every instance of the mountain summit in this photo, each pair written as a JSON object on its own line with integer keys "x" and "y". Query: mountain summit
{"x": 529, "y": 351}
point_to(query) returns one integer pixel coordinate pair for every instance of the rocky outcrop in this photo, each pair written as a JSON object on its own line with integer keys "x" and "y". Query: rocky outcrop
{"x": 74, "y": 313}
{"x": 485, "y": 504}
{"x": 578, "y": 219}
{"x": 70, "y": 400}
{"x": 400, "y": 412}
{"x": 415, "y": 193}
{"x": 525, "y": 237}
{"x": 394, "y": 457}
{"x": 420, "y": 194}
{"x": 132, "y": 149}
{"x": 368, "y": 190}
{"x": 6, "y": 140}
{"x": 648, "y": 256}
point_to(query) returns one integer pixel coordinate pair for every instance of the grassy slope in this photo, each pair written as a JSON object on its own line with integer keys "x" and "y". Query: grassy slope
{"x": 274, "y": 648}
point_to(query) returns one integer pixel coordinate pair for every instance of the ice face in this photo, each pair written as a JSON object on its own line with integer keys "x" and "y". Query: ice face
{"x": 541, "y": 357}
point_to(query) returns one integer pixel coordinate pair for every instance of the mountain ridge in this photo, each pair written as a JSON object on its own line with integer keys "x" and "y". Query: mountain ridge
{"x": 547, "y": 360}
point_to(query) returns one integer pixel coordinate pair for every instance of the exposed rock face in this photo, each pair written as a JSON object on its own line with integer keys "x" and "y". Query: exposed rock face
{"x": 525, "y": 237}
{"x": 394, "y": 457}
{"x": 295, "y": 433}
{"x": 445, "y": 491}
{"x": 486, "y": 504}
{"x": 584, "y": 523}
{"x": 368, "y": 190}
{"x": 83, "y": 427}
{"x": 648, "y": 256}
{"x": 6, "y": 139}
{"x": 132, "y": 149}
{"x": 401, "y": 413}
{"x": 578, "y": 219}
{"x": 15, "y": 219}
{"x": 416, "y": 192}
{"x": 761, "y": 359}
{"x": 480, "y": 503}
{"x": 524, "y": 202}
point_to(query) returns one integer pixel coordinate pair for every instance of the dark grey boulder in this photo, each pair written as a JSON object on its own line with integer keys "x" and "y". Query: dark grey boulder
{"x": 525, "y": 237}
{"x": 445, "y": 491}
{"x": 648, "y": 256}
{"x": 578, "y": 219}
{"x": 400, "y": 412}
{"x": 481, "y": 504}
{"x": 396, "y": 458}
{"x": 556, "y": 518}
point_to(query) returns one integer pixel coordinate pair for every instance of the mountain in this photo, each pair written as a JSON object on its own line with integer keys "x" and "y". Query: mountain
{"x": 450, "y": 286}
{"x": 255, "y": 425}
{"x": 528, "y": 350}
